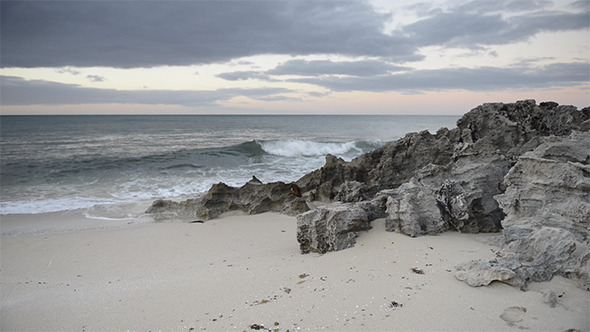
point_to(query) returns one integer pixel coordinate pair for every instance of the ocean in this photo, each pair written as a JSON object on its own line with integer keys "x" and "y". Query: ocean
{"x": 113, "y": 167}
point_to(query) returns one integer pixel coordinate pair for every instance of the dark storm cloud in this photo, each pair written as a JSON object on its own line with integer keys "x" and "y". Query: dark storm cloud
{"x": 481, "y": 23}
{"x": 17, "y": 91}
{"x": 152, "y": 33}
{"x": 144, "y": 34}
{"x": 327, "y": 67}
{"x": 474, "y": 25}
{"x": 476, "y": 79}
{"x": 317, "y": 68}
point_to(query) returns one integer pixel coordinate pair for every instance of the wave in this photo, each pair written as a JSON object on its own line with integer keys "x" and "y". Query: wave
{"x": 97, "y": 183}
{"x": 307, "y": 148}
{"x": 183, "y": 166}
{"x": 176, "y": 160}
{"x": 51, "y": 205}
{"x": 287, "y": 148}
{"x": 249, "y": 149}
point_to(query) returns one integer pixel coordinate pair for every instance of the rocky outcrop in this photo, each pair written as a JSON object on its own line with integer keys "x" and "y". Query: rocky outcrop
{"x": 252, "y": 198}
{"x": 457, "y": 172}
{"x": 490, "y": 130}
{"x": 428, "y": 183}
{"x": 519, "y": 168}
{"x": 385, "y": 168}
{"x": 331, "y": 228}
{"x": 412, "y": 210}
{"x": 546, "y": 230}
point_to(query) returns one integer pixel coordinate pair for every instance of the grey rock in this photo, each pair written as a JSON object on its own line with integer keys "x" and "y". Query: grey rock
{"x": 252, "y": 198}
{"x": 412, "y": 210}
{"x": 472, "y": 158}
{"x": 460, "y": 170}
{"x": 331, "y": 227}
{"x": 506, "y": 167}
{"x": 349, "y": 191}
{"x": 478, "y": 273}
{"x": 325, "y": 183}
{"x": 458, "y": 196}
{"x": 547, "y": 206}
{"x": 375, "y": 208}
{"x": 396, "y": 163}
{"x": 166, "y": 209}
{"x": 452, "y": 203}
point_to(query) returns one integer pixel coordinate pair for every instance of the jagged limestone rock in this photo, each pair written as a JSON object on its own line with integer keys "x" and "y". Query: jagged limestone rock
{"x": 330, "y": 228}
{"x": 253, "y": 197}
{"x": 478, "y": 177}
{"x": 547, "y": 206}
{"x": 480, "y": 272}
{"x": 349, "y": 191}
{"x": 463, "y": 168}
{"x": 412, "y": 210}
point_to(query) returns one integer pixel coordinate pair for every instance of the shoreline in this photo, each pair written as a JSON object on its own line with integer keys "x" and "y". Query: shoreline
{"x": 71, "y": 221}
{"x": 241, "y": 270}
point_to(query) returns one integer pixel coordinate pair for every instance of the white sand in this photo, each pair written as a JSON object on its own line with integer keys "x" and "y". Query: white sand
{"x": 238, "y": 271}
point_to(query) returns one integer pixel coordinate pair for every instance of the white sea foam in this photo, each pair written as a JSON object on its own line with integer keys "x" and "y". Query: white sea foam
{"x": 98, "y": 164}
{"x": 91, "y": 216}
{"x": 307, "y": 148}
{"x": 51, "y": 205}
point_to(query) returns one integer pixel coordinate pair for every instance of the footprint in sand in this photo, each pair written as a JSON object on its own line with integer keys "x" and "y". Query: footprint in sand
{"x": 513, "y": 315}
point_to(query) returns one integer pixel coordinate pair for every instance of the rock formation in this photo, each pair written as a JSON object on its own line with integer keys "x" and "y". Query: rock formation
{"x": 430, "y": 183}
{"x": 330, "y": 228}
{"x": 519, "y": 168}
{"x": 253, "y": 197}
{"x": 547, "y": 226}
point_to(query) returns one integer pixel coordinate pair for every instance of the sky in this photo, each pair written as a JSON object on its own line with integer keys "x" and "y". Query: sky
{"x": 290, "y": 57}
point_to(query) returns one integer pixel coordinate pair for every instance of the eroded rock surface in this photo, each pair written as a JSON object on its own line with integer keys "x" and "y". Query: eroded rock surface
{"x": 252, "y": 198}
{"x": 519, "y": 168}
{"x": 446, "y": 180}
{"x": 482, "y": 272}
{"x": 331, "y": 228}
{"x": 547, "y": 205}
{"x": 412, "y": 210}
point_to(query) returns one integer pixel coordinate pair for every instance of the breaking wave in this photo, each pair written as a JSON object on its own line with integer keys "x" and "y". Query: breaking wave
{"x": 308, "y": 148}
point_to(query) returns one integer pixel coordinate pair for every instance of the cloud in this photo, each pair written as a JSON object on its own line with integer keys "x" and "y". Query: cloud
{"x": 380, "y": 76}
{"x": 471, "y": 79}
{"x": 148, "y": 33}
{"x": 243, "y": 75}
{"x": 17, "y": 91}
{"x": 581, "y": 4}
{"x": 503, "y": 6}
{"x": 327, "y": 67}
{"x": 300, "y": 67}
{"x": 67, "y": 70}
{"x": 95, "y": 78}
{"x": 126, "y": 34}
{"x": 484, "y": 23}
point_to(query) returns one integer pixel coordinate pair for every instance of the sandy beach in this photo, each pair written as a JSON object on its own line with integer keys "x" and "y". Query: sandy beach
{"x": 245, "y": 272}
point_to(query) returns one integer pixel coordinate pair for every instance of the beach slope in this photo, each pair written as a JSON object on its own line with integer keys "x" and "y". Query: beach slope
{"x": 246, "y": 272}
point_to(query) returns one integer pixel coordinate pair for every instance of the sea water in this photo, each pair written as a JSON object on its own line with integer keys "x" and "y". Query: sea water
{"x": 101, "y": 165}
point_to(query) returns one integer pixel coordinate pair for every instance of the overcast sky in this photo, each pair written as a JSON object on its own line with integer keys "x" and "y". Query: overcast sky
{"x": 295, "y": 57}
